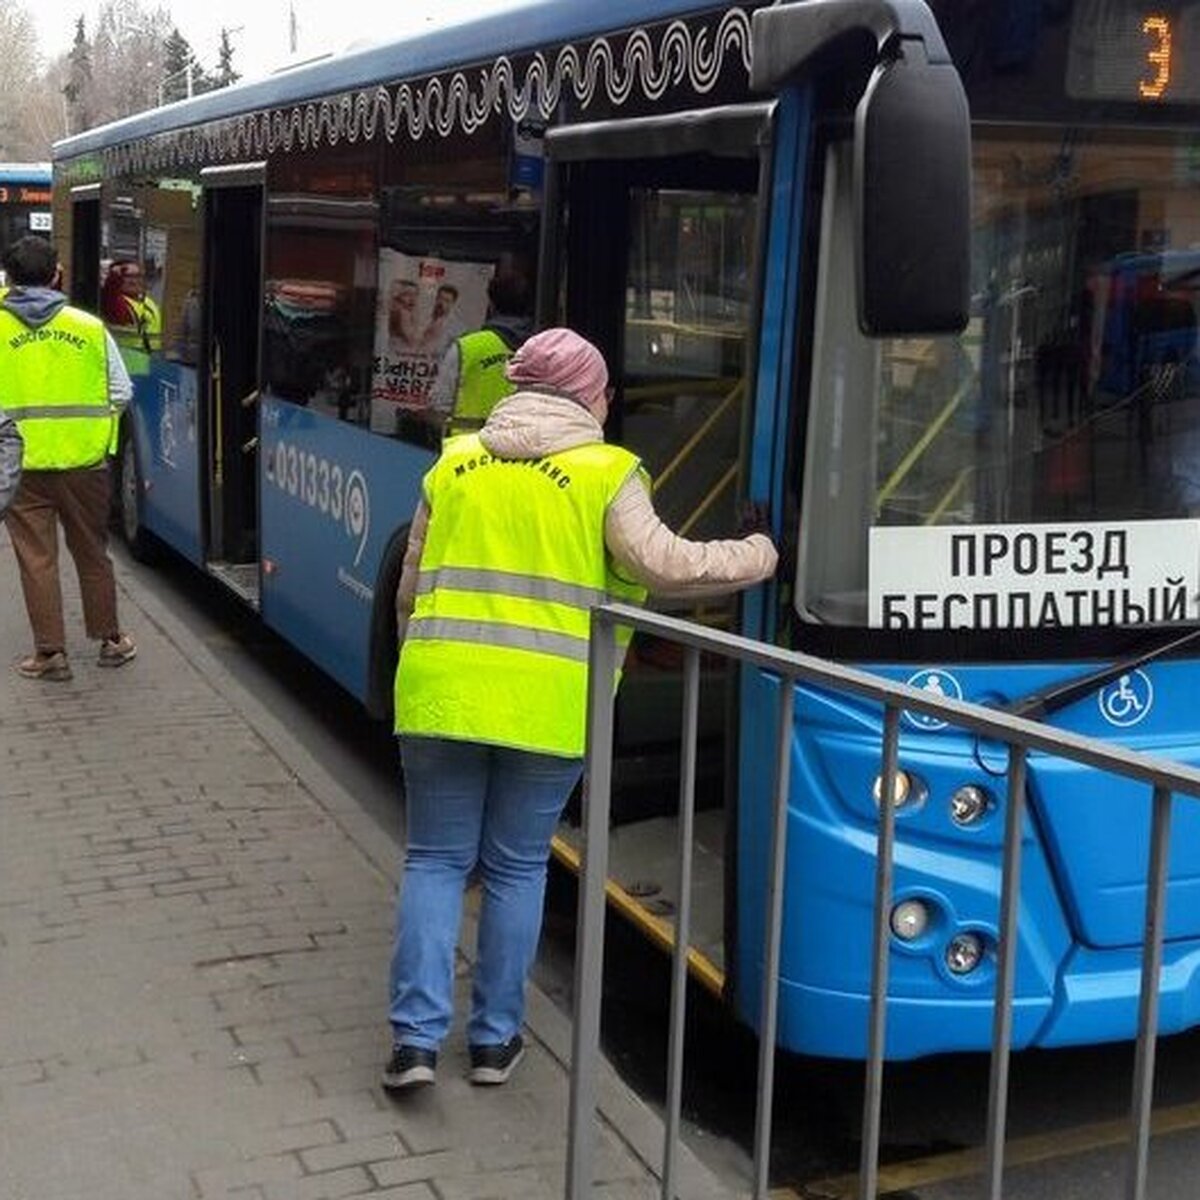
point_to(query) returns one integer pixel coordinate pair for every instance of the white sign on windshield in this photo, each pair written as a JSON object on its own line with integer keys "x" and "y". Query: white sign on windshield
{"x": 1035, "y": 576}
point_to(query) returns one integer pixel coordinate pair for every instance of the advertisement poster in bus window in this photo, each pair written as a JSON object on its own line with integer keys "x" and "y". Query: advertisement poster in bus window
{"x": 423, "y": 304}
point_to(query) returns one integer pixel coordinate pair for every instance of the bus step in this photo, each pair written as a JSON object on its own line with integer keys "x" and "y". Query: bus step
{"x": 239, "y": 578}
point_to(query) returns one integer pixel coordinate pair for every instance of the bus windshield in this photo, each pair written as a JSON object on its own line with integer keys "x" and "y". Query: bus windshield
{"x": 1071, "y": 400}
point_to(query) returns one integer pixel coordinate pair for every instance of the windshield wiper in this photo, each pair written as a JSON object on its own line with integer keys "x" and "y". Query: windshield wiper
{"x": 1040, "y": 704}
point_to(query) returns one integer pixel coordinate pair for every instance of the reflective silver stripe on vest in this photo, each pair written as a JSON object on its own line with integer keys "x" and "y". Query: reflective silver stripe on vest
{"x": 508, "y": 637}
{"x": 510, "y": 584}
{"x": 42, "y": 412}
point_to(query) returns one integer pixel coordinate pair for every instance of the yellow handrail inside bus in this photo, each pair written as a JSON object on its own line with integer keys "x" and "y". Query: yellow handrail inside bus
{"x": 652, "y": 391}
{"x": 685, "y": 451}
{"x": 949, "y": 498}
{"x": 734, "y": 329}
{"x": 922, "y": 444}
{"x": 709, "y": 500}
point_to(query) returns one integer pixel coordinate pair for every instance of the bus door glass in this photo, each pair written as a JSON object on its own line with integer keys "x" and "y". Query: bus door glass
{"x": 659, "y": 261}
{"x": 83, "y": 268}
{"x": 233, "y": 208}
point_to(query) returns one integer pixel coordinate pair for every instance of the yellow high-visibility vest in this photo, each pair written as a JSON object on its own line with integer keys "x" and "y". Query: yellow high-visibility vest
{"x": 141, "y": 339}
{"x": 482, "y": 357}
{"x": 54, "y": 380}
{"x": 513, "y": 562}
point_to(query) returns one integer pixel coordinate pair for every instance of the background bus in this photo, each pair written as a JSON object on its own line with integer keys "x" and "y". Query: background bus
{"x": 24, "y": 202}
{"x": 985, "y": 514}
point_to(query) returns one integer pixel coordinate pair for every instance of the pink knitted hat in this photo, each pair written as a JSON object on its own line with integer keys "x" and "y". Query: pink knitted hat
{"x": 559, "y": 359}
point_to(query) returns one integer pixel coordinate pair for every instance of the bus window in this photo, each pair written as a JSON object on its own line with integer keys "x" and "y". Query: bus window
{"x": 450, "y": 215}
{"x": 133, "y": 269}
{"x": 1074, "y": 392}
{"x": 686, "y": 325}
{"x": 318, "y": 293}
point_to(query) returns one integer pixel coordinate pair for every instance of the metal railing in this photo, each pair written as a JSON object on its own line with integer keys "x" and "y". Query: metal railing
{"x": 1019, "y": 735}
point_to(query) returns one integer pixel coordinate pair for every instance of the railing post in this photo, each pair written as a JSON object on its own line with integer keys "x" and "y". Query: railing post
{"x": 1010, "y": 898}
{"x": 589, "y": 944}
{"x": 1152, "y": 954}
{"x": 868, "y": 1169}
{"x": 683, "y": 919}
{"x": 773, "y": 909}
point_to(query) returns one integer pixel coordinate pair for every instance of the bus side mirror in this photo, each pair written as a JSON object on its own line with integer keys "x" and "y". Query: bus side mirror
{"x": 912, "y": 187}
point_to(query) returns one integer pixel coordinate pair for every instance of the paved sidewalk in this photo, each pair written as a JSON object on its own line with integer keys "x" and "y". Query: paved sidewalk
{"x": 195, "y": 922}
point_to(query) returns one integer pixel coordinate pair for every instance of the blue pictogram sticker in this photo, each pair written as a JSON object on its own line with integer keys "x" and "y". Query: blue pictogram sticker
{"x": 939, "y": 683}
{"x": 1127, "y": 700}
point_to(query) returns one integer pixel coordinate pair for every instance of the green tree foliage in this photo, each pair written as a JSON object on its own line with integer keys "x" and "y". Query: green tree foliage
{"x": 225, "y": 73}
{"x": 79, "y": 90}
{"x": 181, "y": 73}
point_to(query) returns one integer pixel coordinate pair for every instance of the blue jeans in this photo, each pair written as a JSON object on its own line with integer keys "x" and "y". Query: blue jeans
{"x": 469, "y": 805}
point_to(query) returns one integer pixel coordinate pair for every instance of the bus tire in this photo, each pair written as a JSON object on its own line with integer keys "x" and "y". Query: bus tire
{"x": 384, "y": 650}
{"x": 129, "y": 502}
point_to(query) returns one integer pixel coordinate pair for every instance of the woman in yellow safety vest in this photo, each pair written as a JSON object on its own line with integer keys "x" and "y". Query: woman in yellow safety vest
{"x": 522, "y": 528}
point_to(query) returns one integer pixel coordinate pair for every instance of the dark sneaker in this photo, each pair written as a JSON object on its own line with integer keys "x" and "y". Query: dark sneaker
{"x": 409, "y": 1067}
{"x": 43, "y": 665}
{"x": 116, "y": 652}
{"x": 494, "y": 1064}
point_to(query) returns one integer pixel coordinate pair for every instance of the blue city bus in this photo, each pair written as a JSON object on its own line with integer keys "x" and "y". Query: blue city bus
{"x": 24, "y": 201}
{"x": 821, "y": 292}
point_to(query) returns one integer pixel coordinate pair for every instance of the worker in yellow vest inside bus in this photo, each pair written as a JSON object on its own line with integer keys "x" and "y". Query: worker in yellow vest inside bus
{"x": 522, "y": 528}
{"x": 470, "y": 379}
{"x": 132, "y": 314}
{"x": 63, "y": 383}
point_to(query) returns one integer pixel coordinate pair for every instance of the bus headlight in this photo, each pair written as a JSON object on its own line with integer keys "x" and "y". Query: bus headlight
{"x": 910, "y": 919}
{"x": 969, "y": 805}
{"x": 964, "y": 953}
{"x": 901, "y": 789}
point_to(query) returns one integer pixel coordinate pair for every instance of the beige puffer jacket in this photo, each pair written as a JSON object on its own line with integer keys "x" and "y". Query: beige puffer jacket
{"x": 532, "y": 425}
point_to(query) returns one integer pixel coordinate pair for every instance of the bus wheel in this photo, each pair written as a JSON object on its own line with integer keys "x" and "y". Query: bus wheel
{"x": 137, "y": 538}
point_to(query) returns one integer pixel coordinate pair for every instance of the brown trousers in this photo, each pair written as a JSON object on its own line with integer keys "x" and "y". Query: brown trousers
{"x": 80, "y": 501}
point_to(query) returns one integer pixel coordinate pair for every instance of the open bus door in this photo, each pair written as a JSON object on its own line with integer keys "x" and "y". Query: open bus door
{"x": 83, "y": 268}
{"x": 655, "y": 262}
{"x": 233, "y": 288}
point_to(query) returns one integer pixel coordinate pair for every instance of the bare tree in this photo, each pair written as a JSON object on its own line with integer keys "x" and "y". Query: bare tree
{"x": 132, "y": 63}
{"x": 43, "y": 117}
{"x": 127, "y": 58}
{"x": 18, "y": 66}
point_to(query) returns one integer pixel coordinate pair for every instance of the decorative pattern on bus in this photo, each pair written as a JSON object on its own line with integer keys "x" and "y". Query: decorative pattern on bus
{"x": 646, "y": 65}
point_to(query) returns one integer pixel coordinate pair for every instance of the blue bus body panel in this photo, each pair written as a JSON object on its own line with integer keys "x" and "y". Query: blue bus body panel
{"x": 333, "y": 496}
{"x": 164, "y": 422}
{"x": 1085, "y": 856}
{"x": 777, "y": 348}
{"x": 525, "y": 27}
{"x": 31, "y": 174}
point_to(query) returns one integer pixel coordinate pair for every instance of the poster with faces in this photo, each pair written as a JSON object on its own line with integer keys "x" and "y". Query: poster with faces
{"x": 422, "y": 305}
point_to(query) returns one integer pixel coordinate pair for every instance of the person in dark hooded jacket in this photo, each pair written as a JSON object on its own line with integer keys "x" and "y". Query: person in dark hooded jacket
{"x": 10, "y": 460}
{"x": 63, "y": 382}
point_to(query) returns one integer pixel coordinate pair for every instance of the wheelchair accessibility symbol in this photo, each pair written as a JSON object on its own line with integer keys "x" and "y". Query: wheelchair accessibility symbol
{"x": 938, "y": 683}
{"x": 1128, "y": 700}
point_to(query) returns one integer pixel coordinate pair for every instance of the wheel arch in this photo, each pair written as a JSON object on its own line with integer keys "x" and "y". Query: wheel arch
{"x": 383, "y": 649}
